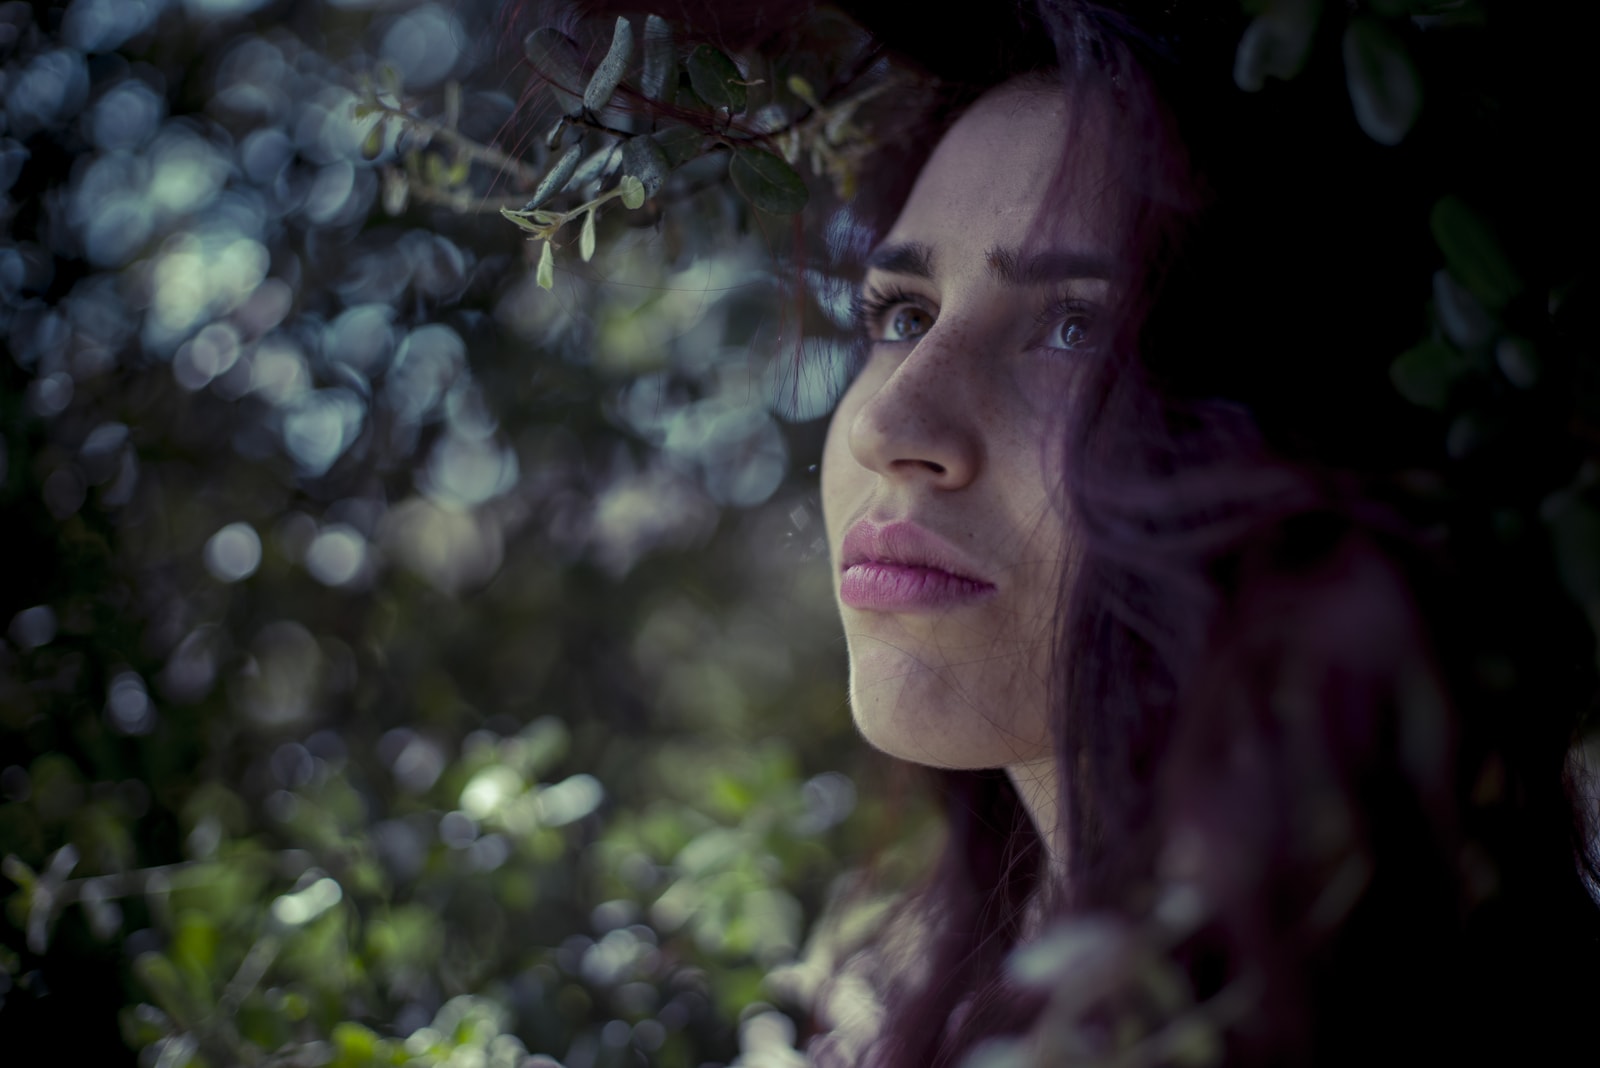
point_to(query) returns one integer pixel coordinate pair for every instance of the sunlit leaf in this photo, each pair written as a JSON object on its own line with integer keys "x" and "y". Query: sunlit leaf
{"x": 766, "y": 181}
{"x": 632, "y": 192}
{"x": 519, "y": 219}
{"x": 302, "y": 906}
{"x": 586, "y": 238}
{"x": 546, "y": 275}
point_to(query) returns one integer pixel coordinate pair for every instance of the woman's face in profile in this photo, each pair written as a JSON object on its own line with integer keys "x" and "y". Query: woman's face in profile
{"x": 939, "y": 478}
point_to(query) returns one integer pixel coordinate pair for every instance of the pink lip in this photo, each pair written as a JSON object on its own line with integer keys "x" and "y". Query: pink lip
{"x": 900, "y": 567}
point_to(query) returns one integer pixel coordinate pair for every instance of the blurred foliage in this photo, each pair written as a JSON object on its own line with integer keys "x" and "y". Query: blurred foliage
{"x": 403, "y": 665}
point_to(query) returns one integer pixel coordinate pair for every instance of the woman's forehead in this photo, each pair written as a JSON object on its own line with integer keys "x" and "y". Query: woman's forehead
{"x": 990, "y": 175}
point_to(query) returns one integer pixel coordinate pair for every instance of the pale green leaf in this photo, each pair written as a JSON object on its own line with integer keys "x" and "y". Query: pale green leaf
{"x": 546, "y": 275}
{"x": 632, "y": 192}
{"x": 586, "y": 238}
{"x": 520, "y": 219}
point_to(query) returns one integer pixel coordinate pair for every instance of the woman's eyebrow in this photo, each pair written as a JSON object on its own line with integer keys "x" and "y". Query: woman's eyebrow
{"x": 911, "y": 258}
{"x": 1042, "y": 267}
{"x": 915, "y": 259}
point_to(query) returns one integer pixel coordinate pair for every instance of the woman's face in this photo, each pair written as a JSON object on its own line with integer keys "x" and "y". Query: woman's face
{"x": 940, "y": 476}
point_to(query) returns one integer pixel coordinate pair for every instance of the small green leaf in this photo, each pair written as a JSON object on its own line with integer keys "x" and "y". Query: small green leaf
{"x": 766, "y": 181}
{"x": 355, "y": 1045}
{"x": 161, "y": 979}
{"x": 434, "y": 171}
{"x": 14, "y": 869}
{"x": 586, "y": 237}
{"x": 388, "y": 76}
{"x": 555, "y": 57}
{"x": 194, "y": 944}
{"x": 1425, "y": 375}
{"x": 644, "y": 159}
{"x": 553, "y": 182}
{"x": 520, "y": 219}
{"x": 632, "y": 192}
{"x": 1473, "y": 253}
{"x": 608, "y": 75}
{"x": 803, "y": 89}
{"x": 372, "y": 144}
{"x": 1384, "y": 88}
{"x": 660, "y": 77}
{"x": 716, "y": 79}
{"x": 546, "y": 275}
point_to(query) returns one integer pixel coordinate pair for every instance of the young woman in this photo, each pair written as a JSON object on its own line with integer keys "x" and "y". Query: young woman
{"x": 1124, "y": 511}
{"x": 1247, "y": 670}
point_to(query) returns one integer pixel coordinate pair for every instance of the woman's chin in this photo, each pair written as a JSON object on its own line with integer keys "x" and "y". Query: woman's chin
{"x": 913, "y": 713}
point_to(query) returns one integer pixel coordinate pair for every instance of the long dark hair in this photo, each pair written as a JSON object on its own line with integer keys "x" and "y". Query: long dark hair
{"x": 1296, "y": 675}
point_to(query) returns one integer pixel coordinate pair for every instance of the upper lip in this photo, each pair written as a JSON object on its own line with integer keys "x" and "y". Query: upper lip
{"x": 903, "y": 543}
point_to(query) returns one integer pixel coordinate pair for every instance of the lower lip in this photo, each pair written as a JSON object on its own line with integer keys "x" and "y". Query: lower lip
{"x": 900, "y": 588}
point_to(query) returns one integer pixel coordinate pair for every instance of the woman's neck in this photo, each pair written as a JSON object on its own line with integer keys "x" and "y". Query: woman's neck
{"x": 1039, "y": 786}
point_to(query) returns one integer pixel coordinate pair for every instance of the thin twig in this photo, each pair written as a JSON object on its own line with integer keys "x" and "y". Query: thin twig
{"x": 485, "y": 154}
{"x": 464, "y": 203}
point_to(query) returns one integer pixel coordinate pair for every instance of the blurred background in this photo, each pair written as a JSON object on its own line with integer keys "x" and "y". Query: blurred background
{"x": 401, "y": 663}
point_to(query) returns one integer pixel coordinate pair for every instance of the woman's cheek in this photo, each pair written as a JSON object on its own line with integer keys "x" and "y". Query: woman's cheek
{"x": 1043, "y": 379}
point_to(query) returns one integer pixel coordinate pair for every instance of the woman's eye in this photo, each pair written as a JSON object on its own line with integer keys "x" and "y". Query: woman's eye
{"x": 905, "y": 322}
{"x": 1071, "y": 332}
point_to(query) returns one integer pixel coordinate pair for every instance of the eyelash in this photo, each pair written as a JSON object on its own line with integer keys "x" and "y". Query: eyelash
{"x": 871, "y": 305}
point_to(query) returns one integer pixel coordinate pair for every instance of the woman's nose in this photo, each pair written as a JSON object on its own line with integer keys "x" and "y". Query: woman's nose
{"x": 922, "y": 422}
